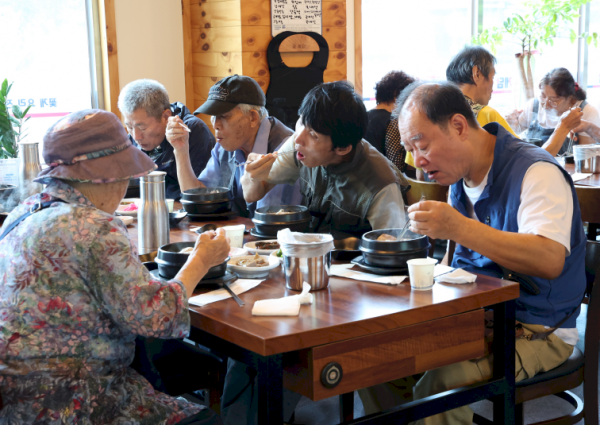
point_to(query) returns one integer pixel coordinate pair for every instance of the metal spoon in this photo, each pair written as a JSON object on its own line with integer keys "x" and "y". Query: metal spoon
{"x": 405, "y": 228}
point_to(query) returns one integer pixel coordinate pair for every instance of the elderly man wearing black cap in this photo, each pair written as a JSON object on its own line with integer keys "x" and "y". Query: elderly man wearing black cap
{"x": 242, "y": 126}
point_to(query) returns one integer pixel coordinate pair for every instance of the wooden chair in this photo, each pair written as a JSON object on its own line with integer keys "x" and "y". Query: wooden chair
{"x": 579, "y": 368}
{"x": 432, "y": 191}
{"x": 589, "y": 203}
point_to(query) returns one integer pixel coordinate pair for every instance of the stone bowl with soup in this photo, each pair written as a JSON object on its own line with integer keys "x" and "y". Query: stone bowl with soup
{"x": 206, "y": 200}
{"x": 269, "y": 220}
{"x": 173, "y": 256}
{"x": 383, "y": 248}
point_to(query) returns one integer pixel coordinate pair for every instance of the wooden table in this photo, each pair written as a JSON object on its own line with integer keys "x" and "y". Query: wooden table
{"x": 593, "y": 180}
{"x": 373, "y": 333}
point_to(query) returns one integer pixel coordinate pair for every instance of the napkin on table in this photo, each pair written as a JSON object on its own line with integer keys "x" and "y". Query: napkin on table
{"x": 579, "y": 176}
{"x": 343, "y": 270}
{"x": 457, "y": 276}
{"x": 286, "y": 306}
{"x": 440, "y": 269}
{"x": 239, "y": 287}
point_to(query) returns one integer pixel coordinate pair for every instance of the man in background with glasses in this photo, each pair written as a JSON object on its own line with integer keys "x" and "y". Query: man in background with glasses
{"x": 146, "y": 109}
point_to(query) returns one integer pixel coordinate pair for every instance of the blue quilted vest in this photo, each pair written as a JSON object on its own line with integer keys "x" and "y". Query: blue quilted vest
{"x": 498, "y": 206}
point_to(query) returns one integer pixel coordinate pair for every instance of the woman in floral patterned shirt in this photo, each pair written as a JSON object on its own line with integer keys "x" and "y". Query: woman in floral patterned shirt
{"x": 74, "y": 295}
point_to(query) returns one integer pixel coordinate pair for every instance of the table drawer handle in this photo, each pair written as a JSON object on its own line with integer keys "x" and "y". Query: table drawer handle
{"x": 331, "y": 375}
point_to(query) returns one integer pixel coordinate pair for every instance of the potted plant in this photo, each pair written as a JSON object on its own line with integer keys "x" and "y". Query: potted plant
{"x": 540, "y": 25}
{"x": 11, "y": 133}
{"x": 11, "y": 127}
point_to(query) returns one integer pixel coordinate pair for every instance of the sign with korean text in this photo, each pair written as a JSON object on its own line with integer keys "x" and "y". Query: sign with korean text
{"x": 296, "y": 16}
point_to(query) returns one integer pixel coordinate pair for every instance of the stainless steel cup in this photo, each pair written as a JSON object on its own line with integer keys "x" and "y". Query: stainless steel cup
{"x": 153, "y": 213}
{"x": 29, "y": 168}
{"x": 588, "y": 165}
{"x": 314, "y": 271}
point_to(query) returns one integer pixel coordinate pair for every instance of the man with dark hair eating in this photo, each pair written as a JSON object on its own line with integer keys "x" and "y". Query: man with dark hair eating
{"x": 349, "y": 187}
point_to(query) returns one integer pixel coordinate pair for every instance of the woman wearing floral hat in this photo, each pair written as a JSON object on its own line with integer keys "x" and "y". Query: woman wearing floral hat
{"x": 74, "y": 295}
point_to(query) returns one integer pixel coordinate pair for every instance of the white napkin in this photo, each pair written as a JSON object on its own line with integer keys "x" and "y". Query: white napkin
{"x": 286, "y": 306}
{"x": 239, "y": 287}
{"x": 580, "y": 176}
{"x": 457, "y": 276}
{"x": 343, "y": 270}
{"x": 440, "y": 269}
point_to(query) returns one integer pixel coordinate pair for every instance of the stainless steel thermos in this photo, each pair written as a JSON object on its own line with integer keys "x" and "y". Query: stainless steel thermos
{"x": 153, "y": 213}
{"x": 29, "y": 168}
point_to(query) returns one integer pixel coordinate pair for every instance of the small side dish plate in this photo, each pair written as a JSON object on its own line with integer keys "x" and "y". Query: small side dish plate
{"x": 251, "y": 247}
{"x": 252, "y": 272}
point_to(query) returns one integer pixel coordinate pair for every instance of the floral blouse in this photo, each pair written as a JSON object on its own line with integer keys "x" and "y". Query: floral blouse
{"x": 73, "y": 296}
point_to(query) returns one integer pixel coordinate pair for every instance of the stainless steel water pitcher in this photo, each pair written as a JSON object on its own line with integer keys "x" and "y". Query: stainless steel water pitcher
{"x": 29, "y": 168}
{"x": 153, "y": 213}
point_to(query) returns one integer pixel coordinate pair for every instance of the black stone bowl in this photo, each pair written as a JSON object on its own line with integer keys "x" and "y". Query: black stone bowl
{"x": 268, "y": 224}
{"x": 393, "y": 253}
{"x": 176, "y": 216}
{"x": 202, "y": 201}
{"x": 170, "y": 261}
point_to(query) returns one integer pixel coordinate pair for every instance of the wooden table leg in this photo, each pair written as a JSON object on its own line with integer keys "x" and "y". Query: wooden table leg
{"x": 270, "y": 389}
{"x": 346, "y": 407}
{"x": 503, "y": 348}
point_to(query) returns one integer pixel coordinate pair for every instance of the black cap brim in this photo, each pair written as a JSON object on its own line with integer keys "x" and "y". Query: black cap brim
{"x": 215, "y": 107}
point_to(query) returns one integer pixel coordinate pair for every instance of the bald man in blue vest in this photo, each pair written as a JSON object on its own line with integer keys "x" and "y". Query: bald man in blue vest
{"x": 511, "y": 206}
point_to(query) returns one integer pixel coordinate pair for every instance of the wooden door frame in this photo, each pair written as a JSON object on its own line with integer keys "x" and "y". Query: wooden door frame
{"x": 358, "y": 82}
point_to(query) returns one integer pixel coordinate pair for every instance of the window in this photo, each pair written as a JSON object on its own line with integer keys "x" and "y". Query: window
{"x": 44, "y": 52}
{"x": 421, "y": 38}
{"x": 507, "y": 95}
{"x": 394, "y": 39}
{"x": 593, "y": 57}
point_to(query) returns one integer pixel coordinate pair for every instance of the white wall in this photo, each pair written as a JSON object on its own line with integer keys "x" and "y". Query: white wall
{"x": 150, "y": 43}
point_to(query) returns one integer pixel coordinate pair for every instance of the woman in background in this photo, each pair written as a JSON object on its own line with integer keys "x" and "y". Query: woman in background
{"x": 386, "y": 92}
{"x": 560, "y": 107}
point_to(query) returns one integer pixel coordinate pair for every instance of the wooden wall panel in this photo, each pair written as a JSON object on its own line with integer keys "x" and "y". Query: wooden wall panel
{"x": 255, "y": 64}
{"x": 203, "y": 84}
{"x": 334, "y": 14}
{"x": 256, "y": 12}
{"x": 219, "y": 39}
{"x": 211, "y": 64}
{"x": 231, "y": 37}
{"x": 358, "y": 82}
{"x": 256, "y": 38}
{"x": 216, "y": 14}
{"x": 187, "y": 51}
{"x": 110, "y": 59}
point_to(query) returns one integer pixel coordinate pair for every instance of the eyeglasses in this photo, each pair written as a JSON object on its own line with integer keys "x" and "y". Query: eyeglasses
{"x": 553, "y": 103}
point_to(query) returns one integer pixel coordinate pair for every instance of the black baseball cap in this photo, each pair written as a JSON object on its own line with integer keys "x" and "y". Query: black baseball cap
{"x": 229, "y": 92}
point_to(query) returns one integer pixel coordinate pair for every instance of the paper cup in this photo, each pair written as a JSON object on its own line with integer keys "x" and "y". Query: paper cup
{"x": 235, "y": 235}
{"x": 170, "y": 204}
{"x": 420, "y": 271}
